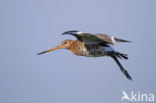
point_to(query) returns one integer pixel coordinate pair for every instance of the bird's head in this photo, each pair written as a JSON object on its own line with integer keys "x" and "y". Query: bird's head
{"x": 66, "y": 44}
{"x": 73, "y": 32}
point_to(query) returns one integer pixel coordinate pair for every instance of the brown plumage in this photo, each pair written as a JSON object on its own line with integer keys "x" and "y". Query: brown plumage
{"x": 97, "y": 38}
{"x": 92, "y": 46}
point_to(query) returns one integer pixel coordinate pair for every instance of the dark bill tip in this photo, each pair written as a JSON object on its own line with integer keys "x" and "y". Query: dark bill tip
{"x": 42, "y": 53}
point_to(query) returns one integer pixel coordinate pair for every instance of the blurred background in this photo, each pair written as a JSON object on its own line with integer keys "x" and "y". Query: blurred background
{"x": 28, "y": 27}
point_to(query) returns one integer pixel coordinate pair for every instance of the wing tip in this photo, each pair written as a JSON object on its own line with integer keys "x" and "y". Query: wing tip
{"x": 121, "y": 40}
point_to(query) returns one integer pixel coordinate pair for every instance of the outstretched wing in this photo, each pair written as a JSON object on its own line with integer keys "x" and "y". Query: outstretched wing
{"x": 89, "y": 38}
{"x": 108, "y": 39}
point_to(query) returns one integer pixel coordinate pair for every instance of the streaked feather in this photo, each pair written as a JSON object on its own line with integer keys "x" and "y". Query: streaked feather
{"x": 89, "y": 38}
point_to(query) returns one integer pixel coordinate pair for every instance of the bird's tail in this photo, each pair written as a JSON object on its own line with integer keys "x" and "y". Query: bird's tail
{"x": 120, "y": 40}
{"x": 121, "y": 67}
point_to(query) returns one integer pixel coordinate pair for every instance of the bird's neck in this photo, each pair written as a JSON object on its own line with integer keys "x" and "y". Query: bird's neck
{"x": 76, "y": 47}
{"x": 72, "y": 46}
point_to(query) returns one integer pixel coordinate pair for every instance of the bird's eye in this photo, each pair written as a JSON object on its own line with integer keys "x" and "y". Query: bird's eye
{"x": 65, "y": 42}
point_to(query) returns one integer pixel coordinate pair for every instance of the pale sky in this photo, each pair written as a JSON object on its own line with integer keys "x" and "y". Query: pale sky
{"x": 31, "y": 26}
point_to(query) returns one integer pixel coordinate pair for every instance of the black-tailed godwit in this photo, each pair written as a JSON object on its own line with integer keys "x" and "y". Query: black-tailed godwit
{"x": 91, "y": 45}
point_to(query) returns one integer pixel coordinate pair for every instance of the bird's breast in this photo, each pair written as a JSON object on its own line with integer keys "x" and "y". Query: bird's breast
{"x": 80, "y": 49}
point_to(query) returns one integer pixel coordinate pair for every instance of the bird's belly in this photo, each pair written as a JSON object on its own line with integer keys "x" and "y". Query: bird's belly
{"x": 101, "y": 51}
{"x": 93, "y": 53}
{"x": 97, "y": 53}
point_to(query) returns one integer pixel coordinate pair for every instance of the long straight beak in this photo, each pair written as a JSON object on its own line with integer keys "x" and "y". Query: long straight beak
{"x": 57, "y": 47}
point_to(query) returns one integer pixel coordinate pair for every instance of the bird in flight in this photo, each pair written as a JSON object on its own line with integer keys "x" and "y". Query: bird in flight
{"x": 93, "y": 45}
